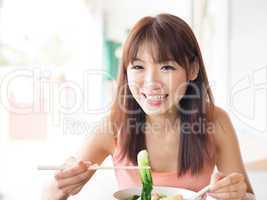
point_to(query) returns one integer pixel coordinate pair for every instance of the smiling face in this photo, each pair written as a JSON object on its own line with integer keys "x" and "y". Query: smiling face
{"x": 159, "y": 57}
{"x": 157, "y": 87}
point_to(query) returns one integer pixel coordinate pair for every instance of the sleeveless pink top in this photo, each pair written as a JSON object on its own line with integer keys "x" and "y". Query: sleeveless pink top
{"x": 130, "y": 178}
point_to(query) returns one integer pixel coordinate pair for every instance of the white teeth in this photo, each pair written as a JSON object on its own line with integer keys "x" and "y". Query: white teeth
{"x": 156, "y": 97}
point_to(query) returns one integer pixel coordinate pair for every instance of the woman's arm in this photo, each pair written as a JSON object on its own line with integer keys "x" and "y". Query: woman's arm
{"x": 228, "y": 156}
{"x": 97, "y": 146}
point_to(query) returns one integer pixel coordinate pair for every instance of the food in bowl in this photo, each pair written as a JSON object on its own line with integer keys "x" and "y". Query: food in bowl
{"x": 156, "y": 196}
{"x": 163, "y": 192}
{"x": 147, "y": 181}
{"x": 145, "y": 175}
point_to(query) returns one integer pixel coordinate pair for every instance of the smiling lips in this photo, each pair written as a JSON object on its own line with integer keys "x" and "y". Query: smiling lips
{"x": 155, "y": 99}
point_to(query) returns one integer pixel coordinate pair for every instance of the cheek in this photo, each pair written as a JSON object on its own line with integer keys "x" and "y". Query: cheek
{"x": 134, "y": 83}
{"x": 133, "y": 77}
{"x": 180, "y": 90}
{"x": 133, "y": 90}
{"x": 134, "y": 87}
{"x": 178, "y": 86}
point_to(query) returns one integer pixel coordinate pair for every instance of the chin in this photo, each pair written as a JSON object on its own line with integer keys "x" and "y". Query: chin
{"x": 154, "y": 111}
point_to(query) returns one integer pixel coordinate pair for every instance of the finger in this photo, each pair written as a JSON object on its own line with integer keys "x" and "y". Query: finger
{"x": 226, "y": 195}
{"x": 216, "y": 176}
{"x": 228, "y": 180}
{"x": 69, "y": 189}
{"x": 75, "y": 170}
{"x": 70, "y": 162}
{"x": 204, "y": 197}
{"x": 241, "y": 186}
{"x": 74, "y": 180}
{"x": 76, "y": 190}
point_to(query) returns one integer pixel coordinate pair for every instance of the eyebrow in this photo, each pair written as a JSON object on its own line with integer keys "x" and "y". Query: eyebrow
{"x": 137, "y": 59}
{"x": 162, "y": 62}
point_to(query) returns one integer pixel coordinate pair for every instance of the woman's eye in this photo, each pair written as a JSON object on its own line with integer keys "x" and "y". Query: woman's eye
{"x": 167, "y": 67}
{"x": 137, "y": 67}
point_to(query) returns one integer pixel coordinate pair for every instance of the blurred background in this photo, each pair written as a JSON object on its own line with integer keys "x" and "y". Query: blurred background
{"x": 59, "y": 61}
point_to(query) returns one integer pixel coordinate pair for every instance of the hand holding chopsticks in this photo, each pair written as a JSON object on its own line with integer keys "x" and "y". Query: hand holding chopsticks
{"x": 73, "y": 175}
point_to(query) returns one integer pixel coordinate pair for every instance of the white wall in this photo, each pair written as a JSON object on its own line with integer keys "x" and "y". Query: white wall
{"x": 248, "y": 72}
{"x": 122, "y": 14}
{"x": 248, "y": 82}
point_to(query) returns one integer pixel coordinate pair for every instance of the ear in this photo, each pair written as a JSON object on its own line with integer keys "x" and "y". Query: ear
{"x": 194, "y": 70}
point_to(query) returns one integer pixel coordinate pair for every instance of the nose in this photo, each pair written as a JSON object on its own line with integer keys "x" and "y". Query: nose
{"x": 151, "y": 75}
{"x": 152, "y": 80}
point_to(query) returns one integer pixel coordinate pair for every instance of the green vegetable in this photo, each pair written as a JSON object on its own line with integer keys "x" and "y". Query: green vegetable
{"x": 135, "y": 197}
{"x": 145, "y": 174}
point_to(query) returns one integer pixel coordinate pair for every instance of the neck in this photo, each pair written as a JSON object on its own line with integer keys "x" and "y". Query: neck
{"x": 162, "y": 123}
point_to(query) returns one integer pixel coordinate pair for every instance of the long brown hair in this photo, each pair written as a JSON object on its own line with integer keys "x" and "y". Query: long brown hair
{"x": 171, "y": 39}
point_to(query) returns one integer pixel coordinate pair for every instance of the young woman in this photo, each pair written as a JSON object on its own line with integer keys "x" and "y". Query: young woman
{"x": 163, "y": 103}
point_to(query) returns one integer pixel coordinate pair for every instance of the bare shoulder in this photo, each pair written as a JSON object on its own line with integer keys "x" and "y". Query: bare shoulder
{"x": 99, "y": 142}
{"x": 220, "y": 115}
{"x": 224, "y": 131}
